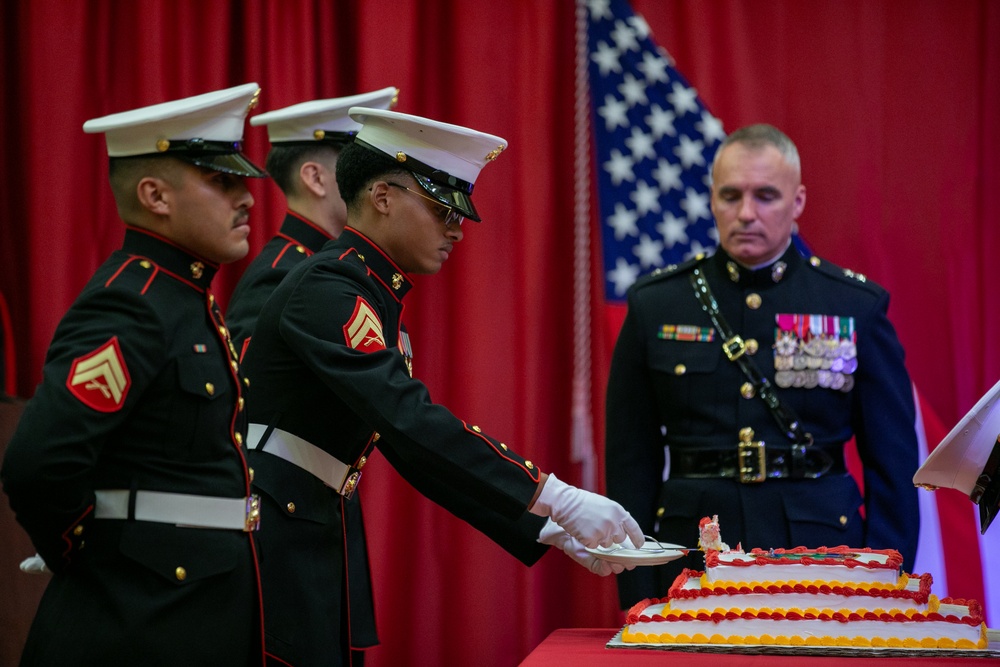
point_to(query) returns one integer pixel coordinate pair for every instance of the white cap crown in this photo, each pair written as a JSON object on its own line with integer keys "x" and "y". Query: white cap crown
{"x": 205, "y": 129}
{"x": 321, "y": 120}
{"x": 445, "y": 159}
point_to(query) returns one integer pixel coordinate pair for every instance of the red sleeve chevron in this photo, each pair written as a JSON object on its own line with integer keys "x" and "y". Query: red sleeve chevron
{"x": 100, "y": 379}
{"x": 363, "y": 330}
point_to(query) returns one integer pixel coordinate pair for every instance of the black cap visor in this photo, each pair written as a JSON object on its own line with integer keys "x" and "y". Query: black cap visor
{"x": 233, "y": 163}
{"x": 455, "y": 199}
{"x": 223, "y": 156}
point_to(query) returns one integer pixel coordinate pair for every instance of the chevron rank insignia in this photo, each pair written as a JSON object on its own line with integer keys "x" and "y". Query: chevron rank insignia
{"x": 100, "y": 379}
{"x": 364, "y": 330}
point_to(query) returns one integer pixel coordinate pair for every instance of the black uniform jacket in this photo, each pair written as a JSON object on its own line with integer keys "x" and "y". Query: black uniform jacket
{"x": 140, "y": 391}
{"x": 671, "y": 386}
{"x": 297, "y": 239}
{"x": 325, "y": 364}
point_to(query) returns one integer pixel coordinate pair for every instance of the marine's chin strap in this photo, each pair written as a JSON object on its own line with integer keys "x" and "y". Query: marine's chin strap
{"x": 986, "y": 493}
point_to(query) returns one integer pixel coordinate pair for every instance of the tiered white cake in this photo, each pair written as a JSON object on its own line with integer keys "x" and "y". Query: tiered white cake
{"x": 804, "y": 597}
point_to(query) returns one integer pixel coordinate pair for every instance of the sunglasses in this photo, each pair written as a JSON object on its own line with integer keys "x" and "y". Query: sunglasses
{"x": 445, "y": 213}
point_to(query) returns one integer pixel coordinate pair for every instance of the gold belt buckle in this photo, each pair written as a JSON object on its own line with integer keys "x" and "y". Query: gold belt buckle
{"x": 734, "y": 348}
{"x": 253, "y": 514}
{"x": 752, "y": 458}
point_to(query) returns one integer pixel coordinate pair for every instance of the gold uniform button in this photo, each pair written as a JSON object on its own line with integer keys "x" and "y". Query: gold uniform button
{"x": 210, "y": 388}
{"x": 236, "y": 366}
{"x": 747, "y": 390}
{"x": 78, "y": 531}
{"x": 145, "y": 264}
{"x": 222, "y": 330}
{"x": 477, "y": 429}
{"x": 815, "y": 261}
{"x": 246, "y": 381}
{"x": 529, "y": 465}
{"x": 752, "y": 345}
{"x": 180, "y": 573}
{"x": 753, "y": 301}
{"x": 239, "y": 404}
{"x": 680, "y": 369}
{"x": 376, "y": 436}
{"x": 300, "y": 249}
{"x": 250, "y": 472}
{"x": 843, "y": 520}
{"x": 291, "y": 508}
{"x": 362, "y": 461}
{"x": 660, "y": 512}
{"x": 238, "y": 438}
{"x": 503, "y": 446}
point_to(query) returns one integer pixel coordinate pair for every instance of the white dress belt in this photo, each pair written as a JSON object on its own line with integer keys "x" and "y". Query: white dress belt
{"x": 181, "y": 509}
{"x": 339, "y": 476}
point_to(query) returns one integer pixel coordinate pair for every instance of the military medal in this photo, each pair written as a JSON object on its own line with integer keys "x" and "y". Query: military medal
{"x": 785, "y": 345}
{"x": 406, "y": 350}
{"x": 814, "y": 350}
{"x": 784, "y": 379}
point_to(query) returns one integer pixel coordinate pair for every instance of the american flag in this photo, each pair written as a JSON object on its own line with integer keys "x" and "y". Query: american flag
{"x": 654, "y": 141}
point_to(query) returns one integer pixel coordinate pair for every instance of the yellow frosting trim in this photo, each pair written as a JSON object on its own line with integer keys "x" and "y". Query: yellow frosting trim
{"x": 900, "y": 584}
{"x": 826, "y": 611}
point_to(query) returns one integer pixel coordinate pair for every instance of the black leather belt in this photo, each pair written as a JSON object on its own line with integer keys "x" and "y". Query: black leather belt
{"x": 778, "y": 463}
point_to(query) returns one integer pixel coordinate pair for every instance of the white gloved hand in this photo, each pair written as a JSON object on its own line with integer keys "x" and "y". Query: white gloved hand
{"x": 553, "y": 535}
{"x": 34, "y": 565}
{"x": 591, "y": 518}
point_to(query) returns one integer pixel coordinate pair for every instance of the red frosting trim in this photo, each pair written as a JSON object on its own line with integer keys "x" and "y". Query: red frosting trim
{"x": 635, "y": 611}
{"x": 973, "y": 618}
{"x": 810, "y": 557}
{"x": 678, "y": 592}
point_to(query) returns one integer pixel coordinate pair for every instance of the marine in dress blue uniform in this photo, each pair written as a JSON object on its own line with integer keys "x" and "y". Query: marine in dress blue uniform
{"x": 821, "y": 337}
{"x": 127, "y": 469}
{"x": 330, "y": 370}
{"x": 306, "y": 139}
{"x": 296, "y": 239}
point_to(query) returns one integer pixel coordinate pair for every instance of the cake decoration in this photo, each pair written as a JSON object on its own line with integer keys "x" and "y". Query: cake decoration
{"x": 823, "y": 597}
{"x": 709, "y": 535}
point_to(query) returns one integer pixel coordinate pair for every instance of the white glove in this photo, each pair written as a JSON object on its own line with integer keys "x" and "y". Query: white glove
{"x": 591, "y": 518}
{"x": 34, "y": 565}
{"x": 553, "y": 535}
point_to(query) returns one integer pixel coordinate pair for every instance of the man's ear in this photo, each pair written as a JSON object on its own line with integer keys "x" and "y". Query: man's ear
{"x": 316, "y": 178}
{"x": 799, "y": 202}
{"x": 155, "y": 195}
{"x": 378, "y": 193}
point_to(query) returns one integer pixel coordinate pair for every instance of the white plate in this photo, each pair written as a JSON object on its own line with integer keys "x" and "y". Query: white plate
{"x": 649, "y": 554}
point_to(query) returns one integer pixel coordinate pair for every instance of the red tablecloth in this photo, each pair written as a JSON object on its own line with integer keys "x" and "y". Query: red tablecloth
{"x": 583, "y": 647}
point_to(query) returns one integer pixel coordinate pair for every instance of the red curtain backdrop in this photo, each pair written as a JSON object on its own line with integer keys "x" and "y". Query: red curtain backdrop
{"x": 894, "y": 104}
